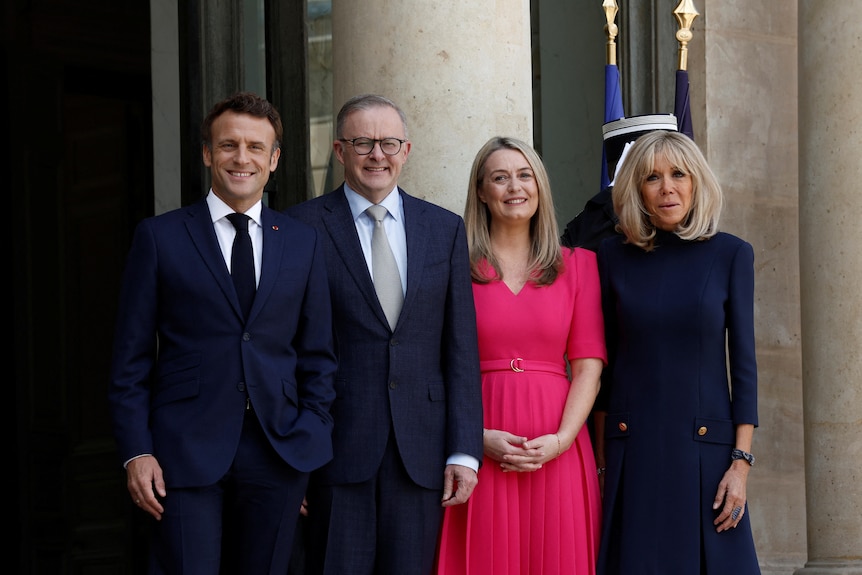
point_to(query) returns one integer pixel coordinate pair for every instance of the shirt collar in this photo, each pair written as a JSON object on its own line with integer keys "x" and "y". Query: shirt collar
{"x": 219, "y": 209}
{"x": 358, "y": 203}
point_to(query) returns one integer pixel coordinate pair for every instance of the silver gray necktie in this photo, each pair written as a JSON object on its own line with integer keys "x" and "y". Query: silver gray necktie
{"x": 384, "y": 270}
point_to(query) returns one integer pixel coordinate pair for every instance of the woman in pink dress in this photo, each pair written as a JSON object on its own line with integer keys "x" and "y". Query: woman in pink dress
{"x": 537, "y": 507}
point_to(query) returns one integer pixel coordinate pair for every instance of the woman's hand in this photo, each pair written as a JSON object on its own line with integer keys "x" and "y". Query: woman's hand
{"x": 517, "y": 453}
{"x": 730, "y": 496}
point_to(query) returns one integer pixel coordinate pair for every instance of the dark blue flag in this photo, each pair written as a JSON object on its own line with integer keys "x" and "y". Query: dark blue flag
{"x": 681, "y": 105}
{"x": 613, "y": 110}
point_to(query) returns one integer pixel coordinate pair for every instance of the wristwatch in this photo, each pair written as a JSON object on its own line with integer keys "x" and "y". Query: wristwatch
{"x": 740, "y": 454}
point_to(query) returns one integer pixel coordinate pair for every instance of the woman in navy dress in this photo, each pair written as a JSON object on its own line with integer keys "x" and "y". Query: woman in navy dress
{"x": 679, "y": 396}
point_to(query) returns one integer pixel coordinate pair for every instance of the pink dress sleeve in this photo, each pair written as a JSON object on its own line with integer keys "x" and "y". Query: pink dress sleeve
{"x": 587, "y": 332}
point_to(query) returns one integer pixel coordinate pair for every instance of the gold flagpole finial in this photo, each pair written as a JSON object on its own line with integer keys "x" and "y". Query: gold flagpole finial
{"x": 610, "y": 7}
{"x": 685, "y": 14}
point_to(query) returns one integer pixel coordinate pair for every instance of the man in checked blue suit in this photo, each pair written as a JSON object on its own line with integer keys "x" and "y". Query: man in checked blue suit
{"x": 408, "y": 410}
{"x": 221, "y": 413}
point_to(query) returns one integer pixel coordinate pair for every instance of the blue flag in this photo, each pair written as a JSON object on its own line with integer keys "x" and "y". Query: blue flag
{"x": 613, "y": 110}
{"x": 681, "y": 105}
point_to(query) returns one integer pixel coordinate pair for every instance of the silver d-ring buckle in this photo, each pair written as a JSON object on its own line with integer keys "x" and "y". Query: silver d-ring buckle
{"x": 516, "y": 368}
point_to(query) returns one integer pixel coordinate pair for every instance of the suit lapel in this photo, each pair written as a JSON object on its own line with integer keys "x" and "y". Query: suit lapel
{"x": 418, "y": 235}
{"x": 339, "y": 224}
{"x": 200, "y": 227}
{"x": 273, "y": 249}
{"x": 338, "y": 220}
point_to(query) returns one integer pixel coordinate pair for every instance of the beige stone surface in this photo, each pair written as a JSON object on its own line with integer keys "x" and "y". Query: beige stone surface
{"x": 750, "y": 137}
{"x": 830, "y": 111}
{"x": 460, "y": 70}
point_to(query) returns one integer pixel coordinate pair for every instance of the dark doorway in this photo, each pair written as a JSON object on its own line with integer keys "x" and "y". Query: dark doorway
{"x": 77, "y": 124}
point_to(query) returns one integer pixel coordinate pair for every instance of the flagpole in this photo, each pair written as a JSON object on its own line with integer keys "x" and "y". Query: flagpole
{"x": 613, "y": 93}
{"x": 610, "y": 7}
{"x": 685, "y": 14}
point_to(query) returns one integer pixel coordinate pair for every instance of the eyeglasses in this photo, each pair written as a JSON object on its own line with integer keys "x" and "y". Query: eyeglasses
{"x": 363, "y": 146}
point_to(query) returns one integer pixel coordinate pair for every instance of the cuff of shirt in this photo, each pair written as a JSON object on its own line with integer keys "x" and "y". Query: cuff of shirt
{"x": 465, "y": 460}
{"x": 135, "y": 457}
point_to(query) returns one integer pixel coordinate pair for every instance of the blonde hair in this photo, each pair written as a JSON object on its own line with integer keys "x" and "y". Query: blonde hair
{"x": 546, "y": 258}
{"x": 679, "y": 150}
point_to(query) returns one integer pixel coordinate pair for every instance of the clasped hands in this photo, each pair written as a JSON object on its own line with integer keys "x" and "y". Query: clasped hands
{"x": 518, "y": 453}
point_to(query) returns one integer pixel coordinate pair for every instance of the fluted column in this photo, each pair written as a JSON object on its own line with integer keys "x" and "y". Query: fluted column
{"x": 460, "y": 70}
{"x": 830, "y": 225}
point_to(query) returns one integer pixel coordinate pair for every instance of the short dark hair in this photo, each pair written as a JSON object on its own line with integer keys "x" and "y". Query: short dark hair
{"x": 243, "y": 103}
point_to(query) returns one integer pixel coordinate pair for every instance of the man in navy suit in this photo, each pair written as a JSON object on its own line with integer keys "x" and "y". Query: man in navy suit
{"x": 408, "y": 409}
{"x": 220, "y": 414}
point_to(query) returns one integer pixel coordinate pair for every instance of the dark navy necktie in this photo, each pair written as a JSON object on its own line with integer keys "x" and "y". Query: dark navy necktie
{"x": 242, "y": 262}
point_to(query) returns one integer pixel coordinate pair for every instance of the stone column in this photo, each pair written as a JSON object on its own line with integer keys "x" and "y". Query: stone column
{"x": 461, "y": 71}
{"x": 830, "y": 225}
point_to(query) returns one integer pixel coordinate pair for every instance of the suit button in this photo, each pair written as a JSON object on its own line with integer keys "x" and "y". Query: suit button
{"x": 246, "y": 336}
{"x": 240, "y": 386}
{"x": 623, "y": 426}
{"x": 701, "y": 431}
{"x": 392, "y": 385}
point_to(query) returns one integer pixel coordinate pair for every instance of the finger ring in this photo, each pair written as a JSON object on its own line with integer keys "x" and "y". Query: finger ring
{"x": 138, "y": 501}
{"x": 735, "y": 513}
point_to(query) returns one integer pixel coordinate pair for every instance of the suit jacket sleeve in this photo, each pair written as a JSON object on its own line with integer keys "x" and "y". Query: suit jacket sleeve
{"x": 461, "y": 356}
{"x": 134, "y": 352}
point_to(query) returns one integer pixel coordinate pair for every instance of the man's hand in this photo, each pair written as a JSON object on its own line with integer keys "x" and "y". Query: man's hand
{"x": 458, "y": 484}
{"x": 144, "y": 480}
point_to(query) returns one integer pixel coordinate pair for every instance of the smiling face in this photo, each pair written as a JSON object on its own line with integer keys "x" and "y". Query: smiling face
{"x": 241, "y": 158}
{"x": 509, "y": 187}
{"x": 667, "y": 194}
{"x": 376, "y": 174}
